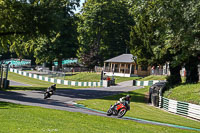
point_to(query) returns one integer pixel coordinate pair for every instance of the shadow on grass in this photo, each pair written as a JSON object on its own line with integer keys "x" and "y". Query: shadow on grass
{"x": 34, "y": 88}
{"x": 7, "y": 105}
{"x": 25, "y": 88}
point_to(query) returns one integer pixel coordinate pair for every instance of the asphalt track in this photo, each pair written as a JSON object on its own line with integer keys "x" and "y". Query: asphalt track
{"x": 65, "y": 100}
{"x": 62, "y": 99}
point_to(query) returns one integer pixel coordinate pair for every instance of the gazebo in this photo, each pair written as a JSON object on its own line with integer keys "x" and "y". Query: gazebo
{"x": 125, "y": 66}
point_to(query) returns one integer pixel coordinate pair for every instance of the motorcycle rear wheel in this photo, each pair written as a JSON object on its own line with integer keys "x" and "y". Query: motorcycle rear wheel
{"x": 121, "y": 113}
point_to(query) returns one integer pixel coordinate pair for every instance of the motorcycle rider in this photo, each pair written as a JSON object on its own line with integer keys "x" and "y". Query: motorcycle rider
{"x": 125, "y": 101}
{"x": 51, "y": 89}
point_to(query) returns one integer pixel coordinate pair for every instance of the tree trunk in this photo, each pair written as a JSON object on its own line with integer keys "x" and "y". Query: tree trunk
{"x": 33, "y": 61}
{"x": 192, "y": 74}
{"x": 175, "y": 77}
{"x": 59, "y": 64}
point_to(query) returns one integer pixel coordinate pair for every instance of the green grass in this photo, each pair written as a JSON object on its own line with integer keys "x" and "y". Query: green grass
{"x": 122, "y": 79}
{"x": 139, "y": 109}
{"x": 158, "y": 77}
{"x": 40, "y": 84}
{"x": 81, "y": 77}
{"x": 153, "y": 77}
{"x": 35, "y": 83}
{"x": 185, "y": 92}
{"x": 95, "y": 77}
{"x": 84, "y": 77}
{"x": 27, "y": 119}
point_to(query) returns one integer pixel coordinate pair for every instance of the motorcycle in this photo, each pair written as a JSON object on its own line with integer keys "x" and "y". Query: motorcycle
{"x": 119, "y": 110}
{"x": 49, "y": 92}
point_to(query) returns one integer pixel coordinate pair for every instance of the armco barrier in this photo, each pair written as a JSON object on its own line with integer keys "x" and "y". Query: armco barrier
{"x": 57, "y": 81}
{"x": 181, "y": 108}
{"x": 145, "y": 83}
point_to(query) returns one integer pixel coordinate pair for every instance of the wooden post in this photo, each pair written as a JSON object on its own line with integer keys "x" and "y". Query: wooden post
{"x": 119, "y": 67}
{"x": 124, "y": 68}
{"x": 104, "y": 67}
{"x": 114, "y": 68}
{"x": 130, "y": 68}
{"x": 111, "y": 67}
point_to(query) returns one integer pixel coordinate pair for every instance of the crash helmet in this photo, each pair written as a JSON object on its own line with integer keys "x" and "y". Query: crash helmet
{"x": 54, "y": 85}
{"x": 128, "y": 97}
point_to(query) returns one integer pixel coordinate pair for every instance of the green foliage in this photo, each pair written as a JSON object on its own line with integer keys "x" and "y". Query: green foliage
{"x": 38, "y": 27}
{"x": 147, "y": 34}
{"x": 166, "y": 31}
{"x": 103, "y": 30}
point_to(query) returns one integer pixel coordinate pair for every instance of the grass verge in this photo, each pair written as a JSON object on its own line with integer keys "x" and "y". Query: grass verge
{"x": 139, "y": 109}
{"x": 35, "y": 83}
{"x": 81, "y": 77}
{"x": 185, "y": 92}
{"x": 153, "y": 77}
{"x": 23, "y": 119}
{"x": 95, "y": 77}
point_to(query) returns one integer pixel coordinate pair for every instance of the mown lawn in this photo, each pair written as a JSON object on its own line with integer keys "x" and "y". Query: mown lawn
{"x": 84, "y": 77}
{"x": 35, "y": 83}
{"x": 185, "y": 92}
{"x": 27, "y": 119}
{"x": 153, "y": 77}
{"x": 81, "y": 77}
{"x": 140, "y": 109}
{"x": 95, "y": 77}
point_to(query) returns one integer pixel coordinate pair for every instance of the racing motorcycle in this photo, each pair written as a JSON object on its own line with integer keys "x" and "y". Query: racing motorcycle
{"x": 49, "y": 92}
{"x": 119, "y": 110}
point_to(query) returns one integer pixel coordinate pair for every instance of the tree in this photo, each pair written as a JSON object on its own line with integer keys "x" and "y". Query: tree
{"x": 103, "y": 27}
{"x": 184, "y": 29}
{"x": 62, "y": 43}
{"x": 165, "y": 31}
{"x": 27, "y": 25}
{"x": 148, "y": 37}
{"x": 147, "y": 33}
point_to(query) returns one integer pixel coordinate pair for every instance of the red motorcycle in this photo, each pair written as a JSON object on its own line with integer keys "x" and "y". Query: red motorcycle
{"x": 119, "y": 110}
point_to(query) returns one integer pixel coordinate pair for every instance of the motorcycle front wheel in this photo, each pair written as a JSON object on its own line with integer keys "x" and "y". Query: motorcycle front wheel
{"x": 46, "y": 95}
{"x": 109, "y": 112}
{"x": 121, "y": 113}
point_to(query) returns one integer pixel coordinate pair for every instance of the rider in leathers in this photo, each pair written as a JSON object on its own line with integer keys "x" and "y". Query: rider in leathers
{"x": 125, "y": 101}
{"x": 51, "y": 89}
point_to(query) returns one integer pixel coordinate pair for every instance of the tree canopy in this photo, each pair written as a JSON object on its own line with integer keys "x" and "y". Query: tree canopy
{"x": 167, "y": 31}
{"x": 29, "y": 25}
{"x": 103, "y": 30}
{"x": 155, "y": 31}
